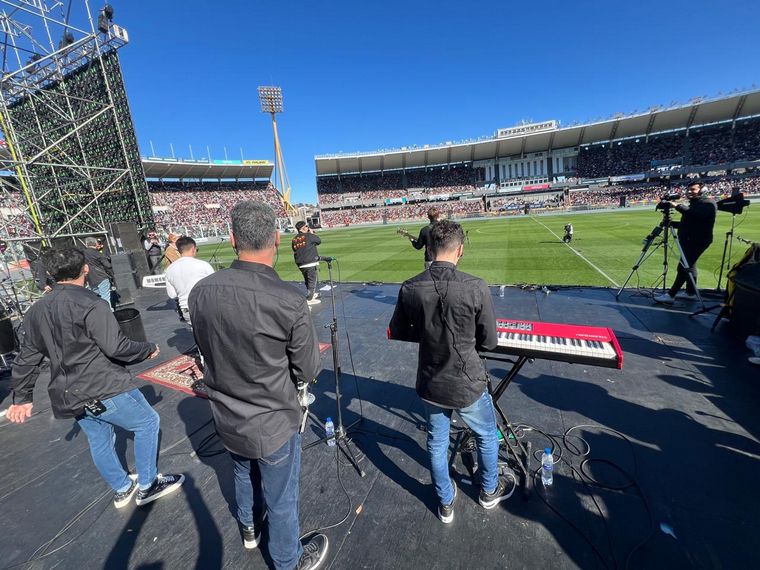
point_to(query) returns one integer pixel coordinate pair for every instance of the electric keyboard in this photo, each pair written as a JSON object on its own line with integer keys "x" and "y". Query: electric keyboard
{"x": 595, "y": 346}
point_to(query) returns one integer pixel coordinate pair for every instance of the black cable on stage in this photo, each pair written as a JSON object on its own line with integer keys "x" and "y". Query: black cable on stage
{"x": 345, "y": 492}
{"x": 588, "y": 481}
{"x": 40, "y": 553}
{"x": 348, "y": 344}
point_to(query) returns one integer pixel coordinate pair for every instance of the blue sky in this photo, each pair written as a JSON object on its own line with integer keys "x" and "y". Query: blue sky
{"x": 369, "y": 75}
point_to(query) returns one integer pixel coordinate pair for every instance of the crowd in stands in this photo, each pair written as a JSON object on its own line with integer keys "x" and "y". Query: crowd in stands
{"x": 351, "y": 216}
{"x": 395, "y": 184}
{"x": 202, "y": 208}
{"x": 518, "y": 203}
{"x": 609, "y": 196}
{"x": 714, "y": 144}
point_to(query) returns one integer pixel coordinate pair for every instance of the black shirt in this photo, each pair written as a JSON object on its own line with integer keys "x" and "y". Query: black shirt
{"x": 697, "y": 220}
{"x": 305, "y": 248}
{"x": 424, "y": 241}
{"x": 451, "y": 315}
{"x": 77, "y": 331}
{"x": 100, "y": 267}
{"x": 258, "y": 340}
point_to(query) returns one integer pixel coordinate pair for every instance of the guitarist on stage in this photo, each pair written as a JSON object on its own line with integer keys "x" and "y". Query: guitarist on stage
{"x": 423, "y": 240}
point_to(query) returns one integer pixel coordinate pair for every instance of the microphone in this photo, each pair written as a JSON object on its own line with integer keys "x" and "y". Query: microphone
{"x": 327, "y": 259}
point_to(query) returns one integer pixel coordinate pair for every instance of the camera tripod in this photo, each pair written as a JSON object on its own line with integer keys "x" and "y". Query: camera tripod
{"x": 668, "y": 230}
{"x": 341, "y": 432}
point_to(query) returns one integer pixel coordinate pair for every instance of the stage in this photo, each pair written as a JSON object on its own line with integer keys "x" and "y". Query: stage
{"x": 686, "y": 399}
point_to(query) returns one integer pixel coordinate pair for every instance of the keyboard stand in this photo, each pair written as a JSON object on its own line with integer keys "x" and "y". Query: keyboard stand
{"x": 465, "y": 443}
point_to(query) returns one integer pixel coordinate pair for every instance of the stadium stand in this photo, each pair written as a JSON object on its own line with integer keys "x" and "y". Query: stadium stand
{"x": 203, "y": 208}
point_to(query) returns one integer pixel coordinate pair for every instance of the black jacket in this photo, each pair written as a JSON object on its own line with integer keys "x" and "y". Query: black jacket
{"x": 424, "y": 241}
{"x": 100, "y": 266}
{"x": 257, "y": 338}
{"x": 305, "y": 248}
{"x": 697, "y": 220}
{"x": 77, "y": 331}
{"x": 451, "y": 315}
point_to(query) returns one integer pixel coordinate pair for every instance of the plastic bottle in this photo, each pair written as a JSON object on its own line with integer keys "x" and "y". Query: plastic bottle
{"x": 547, "y": 468}
{"x": 330, "y": 432}
{"x": 501, "y": 291}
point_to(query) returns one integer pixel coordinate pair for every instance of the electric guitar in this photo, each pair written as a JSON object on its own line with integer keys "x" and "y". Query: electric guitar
{"x": 406, "y": 234}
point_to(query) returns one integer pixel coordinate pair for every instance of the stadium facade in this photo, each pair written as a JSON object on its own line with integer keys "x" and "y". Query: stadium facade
{"x": 672, "y": 141}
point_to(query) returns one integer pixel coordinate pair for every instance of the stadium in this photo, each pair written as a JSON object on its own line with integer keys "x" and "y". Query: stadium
{"x": 575, "y": 231}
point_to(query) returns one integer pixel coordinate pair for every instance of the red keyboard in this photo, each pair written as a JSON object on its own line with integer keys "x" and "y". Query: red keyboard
{"x": 595, "y": 346}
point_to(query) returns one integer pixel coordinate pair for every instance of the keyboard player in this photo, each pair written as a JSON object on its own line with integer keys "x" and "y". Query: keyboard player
{"x": 450, "y": 314}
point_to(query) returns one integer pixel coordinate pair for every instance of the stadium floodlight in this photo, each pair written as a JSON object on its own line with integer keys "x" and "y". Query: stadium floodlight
{"x": 270, "y": 99}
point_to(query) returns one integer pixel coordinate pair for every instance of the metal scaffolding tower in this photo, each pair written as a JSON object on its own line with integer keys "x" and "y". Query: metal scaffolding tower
{"x": 70, "y": 159}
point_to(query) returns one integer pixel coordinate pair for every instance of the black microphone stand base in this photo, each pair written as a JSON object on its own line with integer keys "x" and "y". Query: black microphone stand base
{"x": 342, "y": 440}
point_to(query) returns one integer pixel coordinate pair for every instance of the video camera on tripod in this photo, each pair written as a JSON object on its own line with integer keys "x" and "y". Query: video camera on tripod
{"x": 666, "y": 206}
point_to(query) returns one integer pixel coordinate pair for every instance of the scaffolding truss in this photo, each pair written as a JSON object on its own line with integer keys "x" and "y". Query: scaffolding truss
{"x": 71, "y": 161}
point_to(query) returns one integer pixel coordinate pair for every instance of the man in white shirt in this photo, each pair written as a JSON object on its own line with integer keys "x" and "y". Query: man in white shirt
{"x": 183, "y": 274}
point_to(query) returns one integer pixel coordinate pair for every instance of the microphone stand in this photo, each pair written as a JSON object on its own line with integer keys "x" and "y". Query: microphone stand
{"x": 341, "y": 436}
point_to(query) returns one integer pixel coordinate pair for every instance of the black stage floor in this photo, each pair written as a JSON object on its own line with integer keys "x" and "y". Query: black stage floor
{"x": 687, "y": 399}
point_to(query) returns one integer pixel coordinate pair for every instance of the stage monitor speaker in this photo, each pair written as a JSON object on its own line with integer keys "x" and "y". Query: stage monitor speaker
{"x": 127, "y": 238}
{"x": 745, "y": 312}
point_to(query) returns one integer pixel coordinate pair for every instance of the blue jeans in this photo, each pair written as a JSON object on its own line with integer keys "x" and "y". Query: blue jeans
{"x": 481, "y": 419}
{"x": 129, "y": 411}
{"x": 278, "y": 475}
{"x": 104, "y": 290}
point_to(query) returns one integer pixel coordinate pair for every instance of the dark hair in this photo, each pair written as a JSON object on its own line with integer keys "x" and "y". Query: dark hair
{"x": 446, "y": 236}
{"x": 184, "y": 243}
{"x": 299, "y": 225}
{"x": 63, "y": 263}
{"x": 253, "y": 225}
{"x": 433, "y": 214}
{"x": 695, "y": 183}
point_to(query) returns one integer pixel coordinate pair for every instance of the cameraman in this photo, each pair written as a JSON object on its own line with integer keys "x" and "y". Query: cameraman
{"x": 695, "y": 233}
{"x": 307, "y": 259}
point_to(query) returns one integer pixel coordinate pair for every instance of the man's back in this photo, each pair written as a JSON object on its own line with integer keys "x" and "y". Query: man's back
{"x": 183, "y": 274}
{"x": 258, "y": 340}
{"x": 76, "y": 330}
{"x": 99, "y": 264}
{"x": 450, "y": 314}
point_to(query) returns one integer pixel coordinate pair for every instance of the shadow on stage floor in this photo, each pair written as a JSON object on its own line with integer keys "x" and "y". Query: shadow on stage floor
{"x": 675, "y": 433}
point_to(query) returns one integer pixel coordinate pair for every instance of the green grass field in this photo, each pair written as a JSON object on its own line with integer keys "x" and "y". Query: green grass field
{"x": 518, "y": 250}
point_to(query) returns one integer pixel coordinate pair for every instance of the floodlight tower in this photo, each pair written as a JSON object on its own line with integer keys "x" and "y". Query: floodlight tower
{"x": 271, "y": 102}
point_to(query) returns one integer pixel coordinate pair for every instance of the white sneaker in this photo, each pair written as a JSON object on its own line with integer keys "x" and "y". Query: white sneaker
{"x": 754, "y": 360}
{"x": 665, "y": 299}
{"x": 685, "y": 295}
{"x": 314, "y": 301}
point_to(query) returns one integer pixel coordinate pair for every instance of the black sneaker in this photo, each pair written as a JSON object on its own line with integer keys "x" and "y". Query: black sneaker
{"x": 121, "y": 500}
{"x": 490, "y": 500}
{"x": 446, "y": 512}
{"x": 163, "y": 485}
{"x": 313, "y": 553}
{"x": 252, "y": 534}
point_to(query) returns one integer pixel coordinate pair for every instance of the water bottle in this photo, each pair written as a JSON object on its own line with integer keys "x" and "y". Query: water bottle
{"x": 501, "y": 291}
{"x": 547, "y": 467}
{"x": 330, "y": 432}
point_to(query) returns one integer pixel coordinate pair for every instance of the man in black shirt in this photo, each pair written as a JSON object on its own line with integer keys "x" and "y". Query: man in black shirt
{"x": 76, "y": 331}
{"x": 258, "y": 341}
{"x": 304, "y": 247}
{"x": 695, "y": 234}
{"x": 101, "y": 273}
{"x": 423, "y": 240}
{"x": 450, "y": 314}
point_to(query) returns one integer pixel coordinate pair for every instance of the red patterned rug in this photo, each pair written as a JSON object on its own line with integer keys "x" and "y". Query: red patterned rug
{"x": 183, "y": 373}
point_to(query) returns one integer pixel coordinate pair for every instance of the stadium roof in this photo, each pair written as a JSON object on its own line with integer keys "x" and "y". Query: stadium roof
{"x": 200, "y": 169}
{"x": 699, "y": 111}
